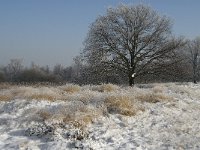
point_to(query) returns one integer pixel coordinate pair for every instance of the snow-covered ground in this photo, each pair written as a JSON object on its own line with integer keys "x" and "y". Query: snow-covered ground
{"x": 154, "y": 116}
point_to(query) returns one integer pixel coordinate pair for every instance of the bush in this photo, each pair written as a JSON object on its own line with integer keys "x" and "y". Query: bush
{"x": 2, "y": 77}
{"x": 34, "y": 75}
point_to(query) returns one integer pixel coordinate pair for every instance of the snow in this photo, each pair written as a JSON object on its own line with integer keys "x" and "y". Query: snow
{"x": 170, "y": 124}
{"x": 133, "y": 75}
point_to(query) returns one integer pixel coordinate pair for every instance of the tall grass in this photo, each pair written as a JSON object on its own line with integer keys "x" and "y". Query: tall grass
{"x": 121, "y": 104}
{"x": 5, "y": 97}
{"x": 82, "y": 105}
{"x": 71, "y": 88}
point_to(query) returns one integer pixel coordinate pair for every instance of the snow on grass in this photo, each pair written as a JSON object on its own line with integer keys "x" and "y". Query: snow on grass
{"x": 153, "y": 116}
{"x": 70, "y": 88}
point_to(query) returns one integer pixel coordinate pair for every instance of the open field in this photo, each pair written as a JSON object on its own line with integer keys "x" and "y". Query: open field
{"x": 149, "y": 116}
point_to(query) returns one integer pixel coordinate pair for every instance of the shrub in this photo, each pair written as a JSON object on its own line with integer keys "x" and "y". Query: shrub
{"x": 35, "y": 75}
{"x": 2, "y": 77}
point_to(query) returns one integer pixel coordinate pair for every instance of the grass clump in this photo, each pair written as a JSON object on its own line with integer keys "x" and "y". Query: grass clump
{"x": 120, "y": 104}
{"x": 71, "y": 88}
{"x": 4, "y": 97}
{"x": 42, "y": 97}
{"x": 44, "y": 114}
{"x": 5, "y": 86}
{"x": 76, "y": 117}
{"x": 153, "y": 97}
{"x": 158, "y": 89}
{"x": 108, "y": 88}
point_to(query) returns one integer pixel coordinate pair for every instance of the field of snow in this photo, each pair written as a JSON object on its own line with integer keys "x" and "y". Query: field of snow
{"x": 150, "y": 116}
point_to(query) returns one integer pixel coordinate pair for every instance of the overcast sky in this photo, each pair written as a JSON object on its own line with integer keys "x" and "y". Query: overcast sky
{"x": 50, "y": 32}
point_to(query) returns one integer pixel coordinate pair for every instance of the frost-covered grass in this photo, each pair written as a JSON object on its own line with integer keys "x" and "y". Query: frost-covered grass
{"x": 70, "y": 88}
{"x": 107, "y": 116}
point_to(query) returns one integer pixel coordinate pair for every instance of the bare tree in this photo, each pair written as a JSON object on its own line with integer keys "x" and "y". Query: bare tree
{"x": 193, "y": 49}
{"x": 59, "y": 72}
{"x": 14, "y": 68}
{"x": 77, "y": 67}
{"x": 135, "y": 40}
{"x": 2, "y": 74}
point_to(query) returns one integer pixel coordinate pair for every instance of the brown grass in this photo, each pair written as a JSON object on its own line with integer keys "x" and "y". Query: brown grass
{"x": 5, "y": 86}
{"x": 120, "y": 104}
{"x": 85, "y": 116}
{"x": 83, "y": 96}
{"x": 71, "y": 88}
{"x": 153, "y": 97}
{"x": 108, "y": 88}
{"x": 42, "y": 97}
{"x": 79, "y": 118}
{"x": 87, "y": 119}
{"x": 78, "y": 121}
{"x": 158, "y": 89}
{"x": 68, "y": 118}
{"x": 5, "y": 97}
{"x": 82, "y": 121}
{"x": 44, "y": 115}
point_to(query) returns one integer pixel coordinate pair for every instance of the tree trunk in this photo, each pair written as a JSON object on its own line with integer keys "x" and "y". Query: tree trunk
{"x": 131, "y": 81}
{"x": 194, "y": 79}
{"x": 195, "y": 74}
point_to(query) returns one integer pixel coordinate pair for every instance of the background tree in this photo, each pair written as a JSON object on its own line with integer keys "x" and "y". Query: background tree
{"x": 35, "y": 74}
{"x": 2, "y": 75}
{"x": 13, "y": 69}
{"x": 134, "y": 40}
{"x": 59, "y": 72}
{"x": 193, "y": 55}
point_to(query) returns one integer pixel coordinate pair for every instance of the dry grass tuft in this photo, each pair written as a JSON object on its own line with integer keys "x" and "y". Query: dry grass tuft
{"x": 87, "y": 119}
{"x": 42, "y": 97}
{"x": 4, "y": 97}
{"x": 85, "y": 116}
{"x": 78, "y": 118}
{"x": 82, "y": 120}
{"x": 5, "y": 86}
{"x": 158, "y": 89}
{"x": 153, "y": 97}
{"x": 108, "y": 88}
{"x": 120, "y": 104}
{"x": 71, "y": 88}
{"x": 44, "y": 115}
{"x": 41, "y": 93}
{"x": 86, "y": 96}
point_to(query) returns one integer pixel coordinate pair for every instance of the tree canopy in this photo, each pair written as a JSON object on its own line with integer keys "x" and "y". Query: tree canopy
{"x": 135, "y": 40}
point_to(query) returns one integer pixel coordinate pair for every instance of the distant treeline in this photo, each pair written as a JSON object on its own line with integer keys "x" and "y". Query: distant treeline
{"x": 79, "y": 73}
{"x": 16, "y": 72}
